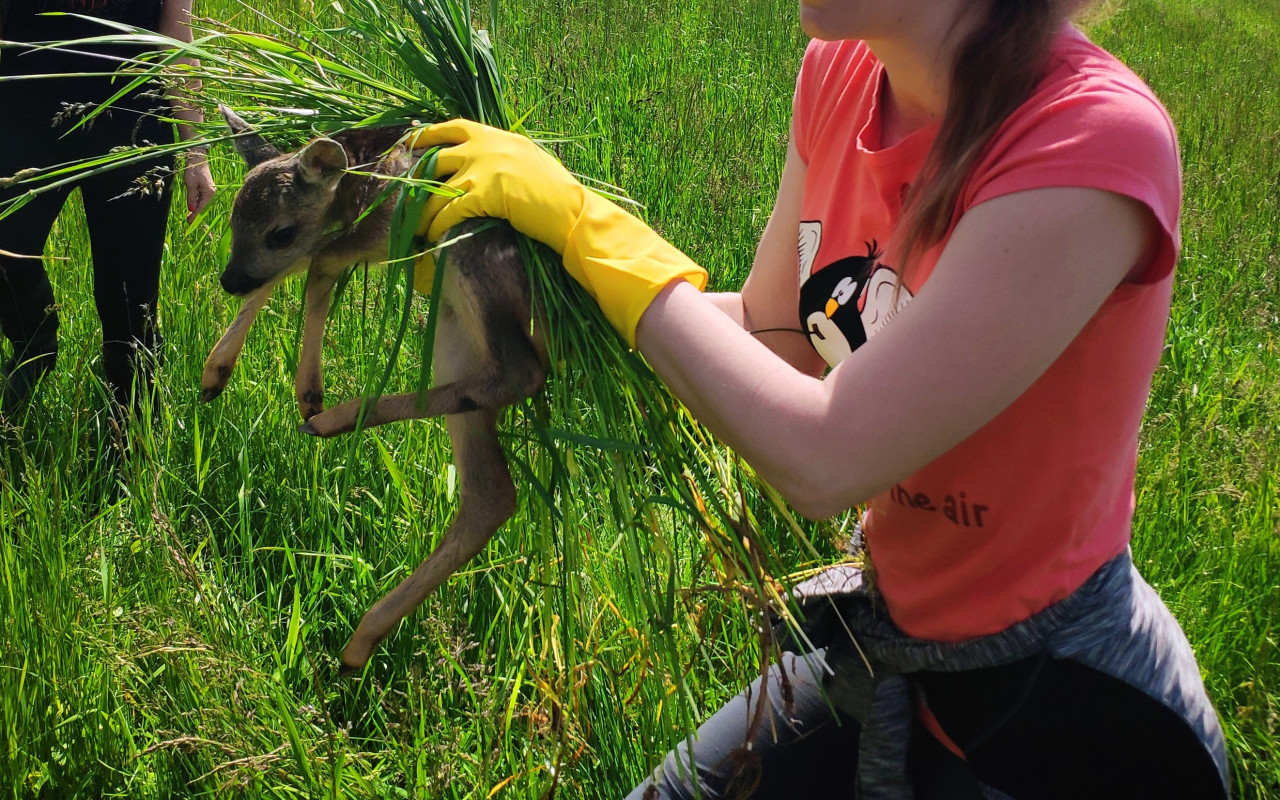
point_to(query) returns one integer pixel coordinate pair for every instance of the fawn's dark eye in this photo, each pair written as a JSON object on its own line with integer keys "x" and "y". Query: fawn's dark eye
{"x": 281, "y": 237}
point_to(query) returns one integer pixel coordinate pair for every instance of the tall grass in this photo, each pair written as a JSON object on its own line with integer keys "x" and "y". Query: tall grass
{"x": 1207, "y": 533}
{"x": 168, "y": 610}
{"x": 653, "y": 496}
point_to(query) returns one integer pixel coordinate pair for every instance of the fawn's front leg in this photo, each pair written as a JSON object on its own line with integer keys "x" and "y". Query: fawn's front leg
{"x": 222, "y": 358}
{"x": 308, "y": 381}
{"x": 488, "y": 499}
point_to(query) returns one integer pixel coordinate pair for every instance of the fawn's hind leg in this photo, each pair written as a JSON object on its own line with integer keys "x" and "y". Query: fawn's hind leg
{"x": 495, "y": 362}
{"x": 499, "y": 385}
{"x": 488, "y": 499}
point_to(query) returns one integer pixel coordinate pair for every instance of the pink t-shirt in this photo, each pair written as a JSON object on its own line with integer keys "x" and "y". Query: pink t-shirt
{"x": 1021, "y": 512}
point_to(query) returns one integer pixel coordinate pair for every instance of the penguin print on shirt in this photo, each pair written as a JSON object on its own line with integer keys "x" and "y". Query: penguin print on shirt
{"x": 845, "y": 302}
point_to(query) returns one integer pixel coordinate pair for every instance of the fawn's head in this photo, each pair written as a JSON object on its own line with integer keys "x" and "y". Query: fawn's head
{"x": 281, "y": 216}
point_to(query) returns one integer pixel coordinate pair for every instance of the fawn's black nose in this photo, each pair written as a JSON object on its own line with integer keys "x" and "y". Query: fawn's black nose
{"x": 238, "y": 283}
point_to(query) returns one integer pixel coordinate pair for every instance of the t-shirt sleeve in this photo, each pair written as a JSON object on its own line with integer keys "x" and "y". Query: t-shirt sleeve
{"x": 1095, "y": 134}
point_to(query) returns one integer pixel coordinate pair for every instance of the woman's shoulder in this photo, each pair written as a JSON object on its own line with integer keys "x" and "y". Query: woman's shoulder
{"x": 1088, "y": 85}
{"x": 1091, "y": 119}
{"x": 1092, "y": 123}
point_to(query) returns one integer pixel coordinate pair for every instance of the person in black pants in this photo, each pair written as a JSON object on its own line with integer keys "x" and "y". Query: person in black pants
{"x": 126, "y": 209}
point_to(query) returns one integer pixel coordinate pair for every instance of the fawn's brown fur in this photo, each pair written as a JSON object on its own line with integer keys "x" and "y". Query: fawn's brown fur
{"x": 306, "y": 211}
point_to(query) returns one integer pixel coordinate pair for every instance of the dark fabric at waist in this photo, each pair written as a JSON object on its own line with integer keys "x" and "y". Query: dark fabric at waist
{"x": 21, "y": 16}
{"x": 25, "y": 22}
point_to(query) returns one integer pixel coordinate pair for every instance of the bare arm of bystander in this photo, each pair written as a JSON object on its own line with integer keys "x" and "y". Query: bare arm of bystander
{"x": 175, "y": 22}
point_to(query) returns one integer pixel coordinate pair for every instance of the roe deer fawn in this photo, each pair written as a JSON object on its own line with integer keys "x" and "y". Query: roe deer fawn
{"x": 307, "y": 211}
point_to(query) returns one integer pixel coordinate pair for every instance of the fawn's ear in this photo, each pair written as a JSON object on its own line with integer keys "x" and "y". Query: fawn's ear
{"x": 251, "y": 146}
{"x": 322, "y": 162}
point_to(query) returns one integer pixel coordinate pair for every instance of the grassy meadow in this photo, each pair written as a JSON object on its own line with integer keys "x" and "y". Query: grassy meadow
{"x": 173, "y": 596}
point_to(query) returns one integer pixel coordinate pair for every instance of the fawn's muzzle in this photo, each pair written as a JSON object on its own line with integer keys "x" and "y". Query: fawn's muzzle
{"x": 238, "y": 283}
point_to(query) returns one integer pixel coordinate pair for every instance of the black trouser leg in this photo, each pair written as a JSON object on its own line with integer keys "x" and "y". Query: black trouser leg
{"x": 1051, "y": 729}
{"x": 127, "y": 232}
{"x": 28, "y": 314}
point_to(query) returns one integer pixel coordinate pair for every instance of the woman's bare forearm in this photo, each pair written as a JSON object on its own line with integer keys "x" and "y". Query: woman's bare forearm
{"x": 1003, "y": 303}
{"x": 752, "y": 399}
{"x": 175, "y": 23}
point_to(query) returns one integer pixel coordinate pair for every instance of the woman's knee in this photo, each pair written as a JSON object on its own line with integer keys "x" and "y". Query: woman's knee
{"x": 798, "y": 746}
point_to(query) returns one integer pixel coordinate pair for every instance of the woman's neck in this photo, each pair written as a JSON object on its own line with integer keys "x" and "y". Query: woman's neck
{"x": 917, "y": 68}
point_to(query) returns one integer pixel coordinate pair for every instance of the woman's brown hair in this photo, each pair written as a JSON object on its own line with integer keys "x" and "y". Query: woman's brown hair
{"x": 996, "y": 69}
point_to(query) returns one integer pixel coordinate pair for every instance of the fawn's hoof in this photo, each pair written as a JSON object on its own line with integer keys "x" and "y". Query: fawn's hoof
{"x": 214, "y": 380}
{"x": 310, "y": 403}
{"x": 352, "y": 663}
{"x": 325, "y": 425}
{"x": 358, "y": 651}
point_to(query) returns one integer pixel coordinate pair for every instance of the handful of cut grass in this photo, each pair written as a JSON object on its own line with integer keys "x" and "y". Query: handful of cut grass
{"x": 605, "y": 447}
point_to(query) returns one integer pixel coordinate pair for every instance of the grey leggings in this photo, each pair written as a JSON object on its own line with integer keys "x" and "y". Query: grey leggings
{"x": 1097, "y": 696}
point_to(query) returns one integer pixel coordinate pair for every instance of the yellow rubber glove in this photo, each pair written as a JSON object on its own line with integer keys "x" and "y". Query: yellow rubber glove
{"x": 618, "y": 259}
{"x": 424, "y": 274}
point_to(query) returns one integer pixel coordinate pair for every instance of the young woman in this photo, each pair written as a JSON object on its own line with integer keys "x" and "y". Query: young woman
{"x": 126, "y": 222}
{"x": 986, "y": 211}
